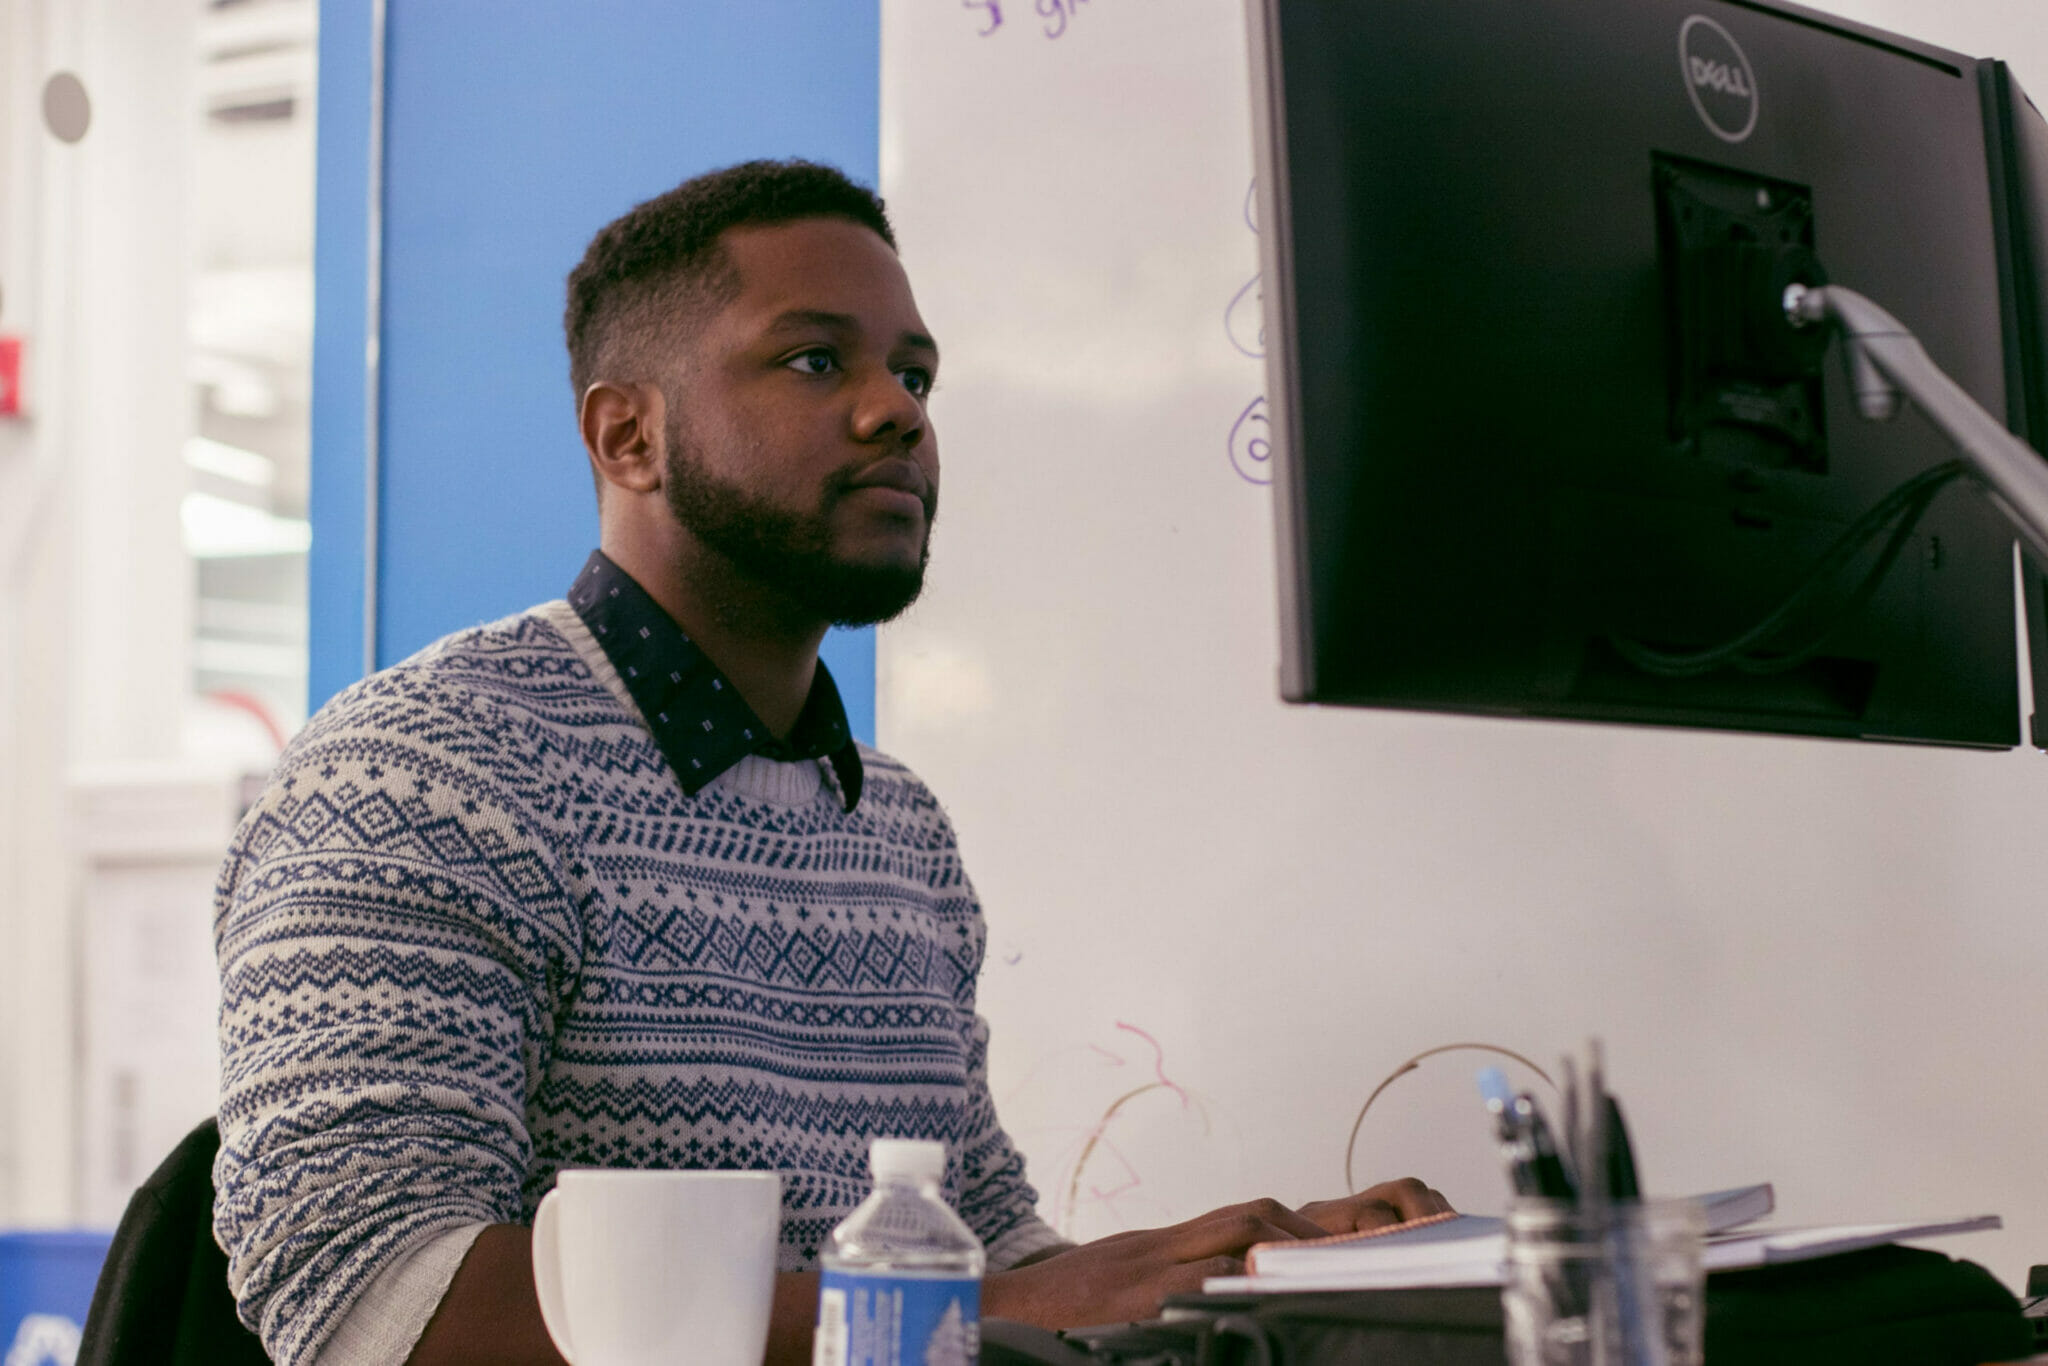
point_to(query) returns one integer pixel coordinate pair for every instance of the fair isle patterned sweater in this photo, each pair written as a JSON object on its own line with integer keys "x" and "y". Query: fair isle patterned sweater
{"x": 475, "y": 932}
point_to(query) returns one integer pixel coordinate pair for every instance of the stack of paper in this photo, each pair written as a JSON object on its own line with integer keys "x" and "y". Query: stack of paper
{"x": 1767, "y": 1247}
{"x": 1464, "y": 1249}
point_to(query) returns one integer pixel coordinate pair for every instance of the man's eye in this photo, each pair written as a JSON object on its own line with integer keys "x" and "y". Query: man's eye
{"x": 917, "y": 380}
{"x": 816, "y": 361}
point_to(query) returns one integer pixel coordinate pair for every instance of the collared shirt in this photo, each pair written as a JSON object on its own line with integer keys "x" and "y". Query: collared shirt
{"x": 701, "y": 723}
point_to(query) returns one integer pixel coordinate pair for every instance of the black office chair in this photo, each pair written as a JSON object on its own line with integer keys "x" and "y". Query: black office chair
{"x": 162, "y": 1298}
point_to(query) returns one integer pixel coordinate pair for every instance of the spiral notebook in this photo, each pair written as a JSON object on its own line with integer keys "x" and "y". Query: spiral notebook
{"x": 1467, "y": 1249}
{"x": 1463, "y": 1249}
{"x": 1448, "y": 1239}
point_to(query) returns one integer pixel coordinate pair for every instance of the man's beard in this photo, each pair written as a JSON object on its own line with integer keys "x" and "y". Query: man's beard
{"x": 789, "y": 553}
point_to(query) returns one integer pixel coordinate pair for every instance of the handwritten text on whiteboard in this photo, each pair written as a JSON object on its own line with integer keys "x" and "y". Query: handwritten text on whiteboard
{"x": 1054, "y": 16}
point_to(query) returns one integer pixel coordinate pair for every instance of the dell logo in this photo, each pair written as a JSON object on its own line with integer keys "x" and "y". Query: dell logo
{"x": 1718, "y": 78}
{"x": 1721, "y": 76}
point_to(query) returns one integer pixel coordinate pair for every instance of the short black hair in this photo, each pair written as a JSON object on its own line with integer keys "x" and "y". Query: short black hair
{"x": 667, "y": 251}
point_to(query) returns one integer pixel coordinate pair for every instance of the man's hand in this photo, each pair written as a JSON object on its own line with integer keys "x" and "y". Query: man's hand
{"x": 1390, "y": 1202}
{"x": 1127, "y": 1275}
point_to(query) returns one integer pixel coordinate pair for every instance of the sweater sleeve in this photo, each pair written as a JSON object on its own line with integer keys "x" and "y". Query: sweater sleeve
{"x": 393, "y": 936}
{"x": 384, "y": 1324}
{"x": 996, "y": 1200}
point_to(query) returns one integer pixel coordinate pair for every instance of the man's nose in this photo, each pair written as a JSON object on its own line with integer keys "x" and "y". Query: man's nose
{"x": 886, "y": 408}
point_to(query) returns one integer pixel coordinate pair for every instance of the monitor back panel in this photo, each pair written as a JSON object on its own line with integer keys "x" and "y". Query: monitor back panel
{"x": 1489, "y": 470}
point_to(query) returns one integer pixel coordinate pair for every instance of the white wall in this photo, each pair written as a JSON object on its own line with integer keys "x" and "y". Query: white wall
{"x": 2014, "y": 30}
{"x": 95, "y": 590}
{"x": 1815, "y": 963}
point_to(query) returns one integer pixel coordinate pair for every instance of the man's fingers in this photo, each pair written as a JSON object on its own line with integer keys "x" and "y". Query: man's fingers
{"x": 1409, "y": 1198}
{"x": 1229, "y": 1232}
{"x": 1291, "y": 1223}
{"x": 1390, "y": 1202}
{"x": 1232, "y": 1231}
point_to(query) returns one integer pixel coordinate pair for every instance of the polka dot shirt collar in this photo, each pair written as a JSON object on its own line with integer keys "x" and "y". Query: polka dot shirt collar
{"x": 700, "y": 722}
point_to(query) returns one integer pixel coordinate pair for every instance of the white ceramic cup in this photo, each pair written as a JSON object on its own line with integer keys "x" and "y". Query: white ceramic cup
{"x": 652, "y": 1268}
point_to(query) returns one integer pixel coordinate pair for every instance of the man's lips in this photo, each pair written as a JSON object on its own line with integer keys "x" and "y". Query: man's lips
{"x": 906, "y": 476}
{"x": 897, "y": 483}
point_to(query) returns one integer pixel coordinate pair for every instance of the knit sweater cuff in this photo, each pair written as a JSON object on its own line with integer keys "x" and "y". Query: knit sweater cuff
{"x": 385, "y": 1322}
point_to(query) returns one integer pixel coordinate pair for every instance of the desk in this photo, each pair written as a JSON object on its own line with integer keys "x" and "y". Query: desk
{"x": 1878, "y": 1305}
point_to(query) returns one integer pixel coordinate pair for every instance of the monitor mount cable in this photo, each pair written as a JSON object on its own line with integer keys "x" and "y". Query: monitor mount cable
{"x": 1887, "y": 367}
{"x": 1901, "y": 510}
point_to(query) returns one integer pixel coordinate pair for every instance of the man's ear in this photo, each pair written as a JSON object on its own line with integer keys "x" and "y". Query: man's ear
{"x": 623, "y": 429}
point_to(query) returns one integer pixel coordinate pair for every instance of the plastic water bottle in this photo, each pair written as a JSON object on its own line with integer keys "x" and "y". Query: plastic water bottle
{"x": 902, "y": 1282}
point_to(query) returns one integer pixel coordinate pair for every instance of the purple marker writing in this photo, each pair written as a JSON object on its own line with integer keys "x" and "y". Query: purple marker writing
{"x": 1056, "y": 13}
{"x": 994, "y": 9}
{"x": 1251, "y": 443}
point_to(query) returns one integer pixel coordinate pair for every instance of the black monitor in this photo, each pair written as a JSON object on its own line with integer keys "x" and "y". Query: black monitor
{"x": 2018, "y": 140}
{"x": 1532, "y": 456}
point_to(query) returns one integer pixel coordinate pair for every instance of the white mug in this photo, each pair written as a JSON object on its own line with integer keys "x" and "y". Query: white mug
{"x": 636, "y": 1268}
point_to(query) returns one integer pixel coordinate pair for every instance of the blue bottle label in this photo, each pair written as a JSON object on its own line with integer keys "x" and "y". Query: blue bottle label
{"x": 883, "y": 1319}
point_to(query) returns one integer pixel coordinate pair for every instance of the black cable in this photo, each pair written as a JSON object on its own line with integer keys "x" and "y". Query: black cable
{"x": 1907, "y": 504}
{"x": 1904, "y": 505}
{"x": 1901, "y": 536}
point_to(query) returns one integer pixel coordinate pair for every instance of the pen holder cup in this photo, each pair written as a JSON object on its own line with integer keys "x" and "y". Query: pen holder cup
{"x": 1619, "y": 1285}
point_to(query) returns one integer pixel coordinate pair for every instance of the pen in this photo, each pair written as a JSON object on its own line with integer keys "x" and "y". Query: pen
{"x": 1508, "y": 1128}
{"x": 1621, "y": 1159}
{"x": 1593, "y": 1162}
{"x": 1547, "y": 1172}
{"x": 1574, "y": 1136}
{"x": 1534, "y": 1167}
{"x": 1635, "y": 1306}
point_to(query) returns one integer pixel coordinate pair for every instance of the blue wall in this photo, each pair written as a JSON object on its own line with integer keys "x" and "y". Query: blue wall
{"x": 334, "y": 569}
{"x": 511, "y": 134}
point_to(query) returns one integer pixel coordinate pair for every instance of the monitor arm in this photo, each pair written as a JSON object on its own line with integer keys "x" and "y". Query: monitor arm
{"x": 1887, "y": 361}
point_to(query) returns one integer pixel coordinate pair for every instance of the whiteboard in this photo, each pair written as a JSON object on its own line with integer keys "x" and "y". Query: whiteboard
{"x": 1218, "y": 922}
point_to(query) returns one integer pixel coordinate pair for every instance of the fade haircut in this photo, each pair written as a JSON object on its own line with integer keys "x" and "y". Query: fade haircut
{"x": 664, "y": 258}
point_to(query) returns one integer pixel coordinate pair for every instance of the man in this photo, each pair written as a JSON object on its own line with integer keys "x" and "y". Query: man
{"x": 609, "y": 882}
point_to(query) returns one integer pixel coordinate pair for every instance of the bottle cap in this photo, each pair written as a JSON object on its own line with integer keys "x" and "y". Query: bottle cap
{"x": 912, "y": 1159}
